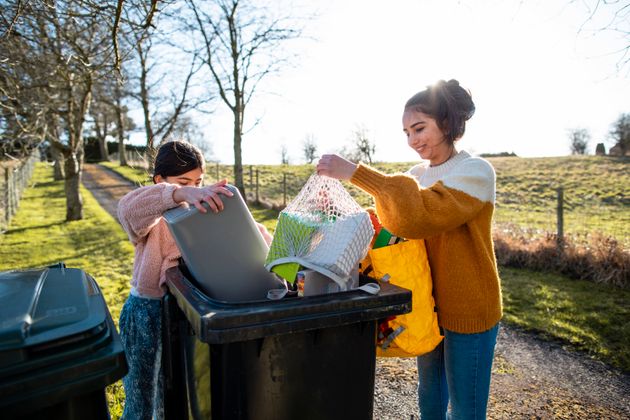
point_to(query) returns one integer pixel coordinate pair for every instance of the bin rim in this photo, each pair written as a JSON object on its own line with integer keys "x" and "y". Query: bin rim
{"x": 218, "y": 322}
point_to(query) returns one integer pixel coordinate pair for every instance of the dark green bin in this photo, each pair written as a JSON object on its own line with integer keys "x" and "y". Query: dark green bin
{"x": 309, "y": 358}
{"x": 59, "y": 348}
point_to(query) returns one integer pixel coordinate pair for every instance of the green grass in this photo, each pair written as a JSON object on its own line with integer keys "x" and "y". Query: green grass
{"x": 590, "y": 317}
{"x": 39, "y": 236}
{"x": 138, "y": 176}
{"x": 596, "y": 190}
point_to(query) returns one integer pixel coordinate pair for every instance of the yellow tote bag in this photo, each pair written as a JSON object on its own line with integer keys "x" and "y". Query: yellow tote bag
{"x": 407, "y": 265}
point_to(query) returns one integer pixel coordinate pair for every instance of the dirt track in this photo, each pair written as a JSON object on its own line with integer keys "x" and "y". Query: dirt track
{"x": 532, "y": 378}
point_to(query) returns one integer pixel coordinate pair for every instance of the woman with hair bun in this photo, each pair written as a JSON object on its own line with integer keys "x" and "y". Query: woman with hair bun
{"x": 448, "y": 201}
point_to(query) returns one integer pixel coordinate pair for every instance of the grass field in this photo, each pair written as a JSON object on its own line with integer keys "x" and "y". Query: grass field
{"x": 590, "y": 317}
{"x": 596, "y": 191}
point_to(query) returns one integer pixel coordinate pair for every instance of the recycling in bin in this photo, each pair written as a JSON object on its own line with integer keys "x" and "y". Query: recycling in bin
{"x": 59, "y": 348}
{"x": 241, "y": 343}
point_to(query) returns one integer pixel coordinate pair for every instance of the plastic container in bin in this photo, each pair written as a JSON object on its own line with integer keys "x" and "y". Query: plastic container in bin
{"x": 59, "y": 348}
{"x": 295, "y": 358}
{"x": 224, "y": 251}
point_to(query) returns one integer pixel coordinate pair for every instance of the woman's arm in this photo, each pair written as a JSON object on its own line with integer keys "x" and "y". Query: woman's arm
{"x": 412, "y": 211}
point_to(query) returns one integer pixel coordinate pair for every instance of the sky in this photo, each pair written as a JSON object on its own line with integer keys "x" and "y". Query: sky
{"x": 533, "y": 74}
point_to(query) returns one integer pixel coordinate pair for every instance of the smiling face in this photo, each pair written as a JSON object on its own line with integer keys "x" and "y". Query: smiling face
{"x": 425, "y": 137}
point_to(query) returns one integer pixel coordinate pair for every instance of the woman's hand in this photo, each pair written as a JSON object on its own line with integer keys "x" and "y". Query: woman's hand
{"x": 197, "y": 195}
{"x": 265, "y": 233}
{"x": 335, "y": 166}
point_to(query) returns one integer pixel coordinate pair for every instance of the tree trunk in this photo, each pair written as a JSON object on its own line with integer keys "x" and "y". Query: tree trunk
{"x": 74, "y": 201}
{"x": 121, "y": 133}
{"x": 238, "y": 160}
{"x": 101, "y": 135}
{"x": 121, "y": 151}
{"x": 58, "y": 163}
{"x": 102, "y": 145}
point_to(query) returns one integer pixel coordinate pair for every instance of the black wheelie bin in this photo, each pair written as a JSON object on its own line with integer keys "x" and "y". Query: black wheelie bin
{"x": 294, "y": 358}
{"x": 59, "y": 348}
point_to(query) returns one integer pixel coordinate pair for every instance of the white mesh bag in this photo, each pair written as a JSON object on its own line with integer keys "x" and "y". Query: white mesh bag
{"x": 323, "y": 229}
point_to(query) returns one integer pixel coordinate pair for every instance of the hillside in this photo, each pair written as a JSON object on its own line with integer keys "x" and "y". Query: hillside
{"x": 596, "y": 190}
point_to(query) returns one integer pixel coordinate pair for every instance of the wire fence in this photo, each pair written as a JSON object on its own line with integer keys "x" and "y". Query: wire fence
{"x": 15, "y": 177}
{"x": 551, "y": 211}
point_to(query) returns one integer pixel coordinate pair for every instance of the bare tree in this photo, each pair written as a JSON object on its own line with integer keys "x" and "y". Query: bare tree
{"x": 579, "y": 138}
{"x": 103, "y": 115}
{"x": 284, "y": 154}
{"x": 309, "y": 147}
{"x": 620, "y": 133}
{"x": 60, "y": 49}
{"x": 54, "y": 53}
{"x": 162, "y": 91}
{"x": 188, "y": 130}
{"x": 242, "y": 45}
{"x": 609, "y": 16}
{"x": 362, "y": 147}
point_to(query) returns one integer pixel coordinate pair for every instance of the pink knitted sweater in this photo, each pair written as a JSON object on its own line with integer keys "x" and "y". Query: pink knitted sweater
{"x": 140, "y": 214}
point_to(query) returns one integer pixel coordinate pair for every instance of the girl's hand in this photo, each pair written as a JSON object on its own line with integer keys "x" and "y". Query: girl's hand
{"x": 335, "y": 166}
{"x": 197, "y": 195}
{"x": 265, "y": 233}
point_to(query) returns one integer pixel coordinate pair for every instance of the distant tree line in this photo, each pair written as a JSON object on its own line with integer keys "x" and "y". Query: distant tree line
{"x": 618, "y": 136}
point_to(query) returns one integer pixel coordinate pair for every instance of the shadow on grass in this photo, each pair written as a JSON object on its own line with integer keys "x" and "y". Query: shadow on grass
{"x": 51, "y": 194}
{"x": 46, "y": 184}
{"x": 29, "y": 228}
{"x": 89, "y": 251}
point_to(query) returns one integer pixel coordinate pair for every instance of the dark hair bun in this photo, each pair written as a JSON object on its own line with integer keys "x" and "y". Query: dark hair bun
{"x": 448, "y": 103}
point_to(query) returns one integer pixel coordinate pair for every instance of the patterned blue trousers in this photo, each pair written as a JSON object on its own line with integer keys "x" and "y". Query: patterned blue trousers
{"x": 141, "y": 335}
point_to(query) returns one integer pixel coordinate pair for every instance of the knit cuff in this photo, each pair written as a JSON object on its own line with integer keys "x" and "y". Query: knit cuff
{"x": 167, "y": 196}
{"x": 368, "y": 179}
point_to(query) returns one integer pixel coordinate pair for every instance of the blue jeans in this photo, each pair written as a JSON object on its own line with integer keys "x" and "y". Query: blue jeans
{"x": 457, "y": 370}
{"x": 141, "y": 336}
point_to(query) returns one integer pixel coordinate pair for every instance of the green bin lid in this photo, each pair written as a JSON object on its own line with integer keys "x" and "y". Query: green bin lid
{"x": 43, "y": 306}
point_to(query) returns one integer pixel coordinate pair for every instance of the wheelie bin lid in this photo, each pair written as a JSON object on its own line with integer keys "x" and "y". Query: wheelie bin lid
{"x": 56, "y": 335}
{"x": 217, "y": 322}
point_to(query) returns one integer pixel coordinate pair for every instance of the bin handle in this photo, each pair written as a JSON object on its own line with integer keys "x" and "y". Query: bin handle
{"x": 371, "y": 288}
{"x": 276, "y": 294}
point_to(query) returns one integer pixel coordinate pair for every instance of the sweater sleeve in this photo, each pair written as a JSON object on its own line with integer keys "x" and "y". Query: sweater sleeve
{"x": 140, "y": 210}
{"x": 414, "y": 212}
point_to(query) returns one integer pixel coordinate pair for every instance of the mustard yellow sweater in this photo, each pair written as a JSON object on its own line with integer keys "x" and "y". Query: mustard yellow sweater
{"x": 450, "y": 206}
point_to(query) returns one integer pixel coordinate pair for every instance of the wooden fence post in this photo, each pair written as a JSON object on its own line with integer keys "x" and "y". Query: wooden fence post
{"x": 218, "y": 172}
{"x": 251, "y": 176}
{"x": 7, "y": 211}
{"x": 284, "y": 189}
{"x": 560, "y": 216}
{"x": 257, "y": 196}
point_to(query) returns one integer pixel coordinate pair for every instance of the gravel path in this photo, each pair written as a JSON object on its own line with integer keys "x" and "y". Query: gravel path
{"x": 106, "y": 185}
{"x": 532, "y": 378}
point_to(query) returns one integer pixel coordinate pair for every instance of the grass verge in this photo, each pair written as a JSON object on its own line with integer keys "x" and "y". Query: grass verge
{"x": 39, "y": 236}
{"x": 136, "y": 175}
{"x": 590, "y": 317}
